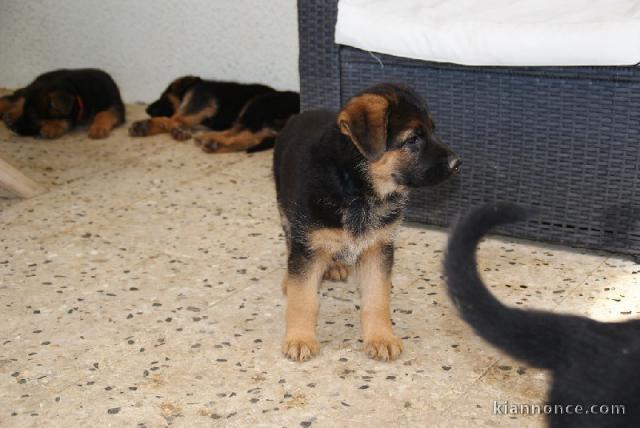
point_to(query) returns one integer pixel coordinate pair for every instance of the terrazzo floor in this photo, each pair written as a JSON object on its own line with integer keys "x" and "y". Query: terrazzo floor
{"x": 143, "y": 290}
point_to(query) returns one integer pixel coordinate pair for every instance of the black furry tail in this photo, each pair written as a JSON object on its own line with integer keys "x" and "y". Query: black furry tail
{"x": 265, "y": 144}
{"x": 533, "y": 336}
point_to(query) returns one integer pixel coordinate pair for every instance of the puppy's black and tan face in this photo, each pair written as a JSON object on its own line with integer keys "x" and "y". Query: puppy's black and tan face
{"x": 171, "y": 98}
{"x": 391, "y": 126}
{"x": 32, "y": 109}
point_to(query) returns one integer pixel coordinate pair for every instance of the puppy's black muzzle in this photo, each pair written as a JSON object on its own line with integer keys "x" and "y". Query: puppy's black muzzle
{"x": 441, "y": 171}
{"x": 23, "y": 126}
{"x": 447, "y": 163}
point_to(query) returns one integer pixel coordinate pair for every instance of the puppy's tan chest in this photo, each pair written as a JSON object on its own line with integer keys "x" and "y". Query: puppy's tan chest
{"x": 344, "y": 246}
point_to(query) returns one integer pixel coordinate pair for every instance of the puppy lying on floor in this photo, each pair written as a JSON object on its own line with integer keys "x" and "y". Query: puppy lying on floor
{"x": 242, "y": 116}
{"x": 57, "y": 101}
{"x": 593, "y": 363}
{"x": 342, "y": 182}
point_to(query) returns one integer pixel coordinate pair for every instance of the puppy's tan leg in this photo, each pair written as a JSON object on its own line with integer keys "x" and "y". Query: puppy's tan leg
{"x": 152, "y": 126}
{"x": 209, "y": 140}
{"x": 300, "y": 341}
{"x": 228, "y": 142}
{"x": 373, "y": 271}
{"x": 181, "y": 128}
{"x": 54, "y": 128}
{"x": 103, "y": 123}
{"x": 186, "y": 121}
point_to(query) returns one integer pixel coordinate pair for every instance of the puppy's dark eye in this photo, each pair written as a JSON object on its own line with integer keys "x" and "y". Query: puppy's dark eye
{"x": 412, "y": 140}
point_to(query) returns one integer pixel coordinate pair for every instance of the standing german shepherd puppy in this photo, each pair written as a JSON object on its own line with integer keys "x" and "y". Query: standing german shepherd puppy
{"x": 593, "y": 363}
{"x": 240, "y": 116}
{"x": 342, "y": 181}
{"x": 59, "y": 100}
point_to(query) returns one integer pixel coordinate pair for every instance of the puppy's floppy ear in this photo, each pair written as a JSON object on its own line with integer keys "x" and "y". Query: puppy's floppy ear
{"x": 61, "y": 102}
{"x": 191, "y": 80}
{"x": 182, "y": 84}
{"x": 364, "y": 120}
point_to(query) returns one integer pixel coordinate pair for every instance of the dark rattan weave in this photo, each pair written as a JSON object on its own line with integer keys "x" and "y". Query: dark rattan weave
{"x": 562, "y": 139}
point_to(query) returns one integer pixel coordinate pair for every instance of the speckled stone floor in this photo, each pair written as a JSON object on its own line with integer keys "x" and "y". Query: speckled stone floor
{"x": 144, "y": 290}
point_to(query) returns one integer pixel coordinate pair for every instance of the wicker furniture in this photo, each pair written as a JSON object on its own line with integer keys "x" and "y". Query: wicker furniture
{"x": 563, "y": 139}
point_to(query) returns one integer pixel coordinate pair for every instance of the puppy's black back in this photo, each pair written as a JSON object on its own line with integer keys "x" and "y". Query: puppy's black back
{"x": 270, "y": 110}
{"x": 52, "y": 76}
{"x": 294, "y": 142}
{"x": 230, "y": 98}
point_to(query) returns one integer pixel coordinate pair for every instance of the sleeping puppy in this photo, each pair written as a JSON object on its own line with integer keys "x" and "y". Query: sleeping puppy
{"x": 593, "y": 363}
{"x": 342, "y": 182}
{"x": 241, "y": 116}
{"x": 57, "y": 101}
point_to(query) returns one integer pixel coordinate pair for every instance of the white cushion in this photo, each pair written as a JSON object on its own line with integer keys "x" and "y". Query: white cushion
{"x": 495, "y": 32}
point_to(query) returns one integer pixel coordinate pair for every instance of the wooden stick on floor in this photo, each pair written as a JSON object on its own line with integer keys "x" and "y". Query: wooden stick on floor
{"x": 18, "y": 183}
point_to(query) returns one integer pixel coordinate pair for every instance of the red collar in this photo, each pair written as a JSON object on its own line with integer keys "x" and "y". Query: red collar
{"x": 80, "y": 109}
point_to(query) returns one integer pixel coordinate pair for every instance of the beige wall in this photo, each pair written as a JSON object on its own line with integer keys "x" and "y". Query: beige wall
{"x": 146, "y": 43}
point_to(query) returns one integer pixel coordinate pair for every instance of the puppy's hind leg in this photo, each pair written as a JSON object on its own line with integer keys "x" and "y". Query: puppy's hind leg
{"x": 210, "y": 141}
{"x": 235, "y": 140}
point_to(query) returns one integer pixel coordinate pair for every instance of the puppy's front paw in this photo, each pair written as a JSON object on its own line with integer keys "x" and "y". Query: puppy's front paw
{"x": 383, "y": 348}
{"x": 52, "y": 130}
{"x": 336, "y": 272}
{"x": 211, "y": 147}
{"x": 300, "y": 348}
{"x": 207, "y": 144}
{"x": 139, "y": 128}
{"x": 180, "y": 134}
{"x": 98, "y": 132}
